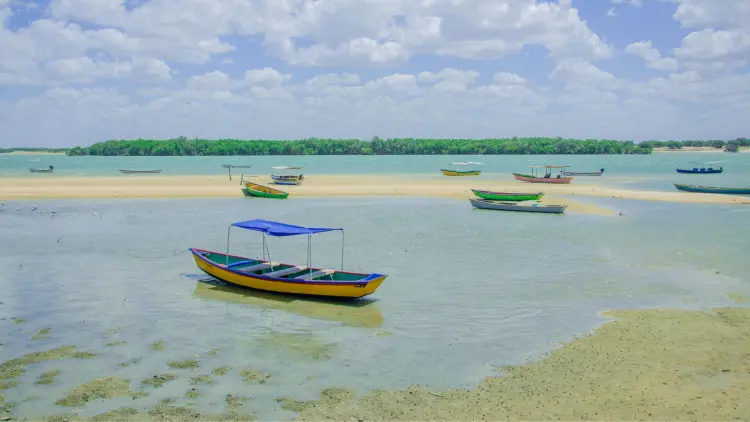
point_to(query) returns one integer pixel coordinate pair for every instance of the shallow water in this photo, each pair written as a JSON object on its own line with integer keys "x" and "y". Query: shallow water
{"x": 467, "y": 290}
{"x": 655, "y": 171}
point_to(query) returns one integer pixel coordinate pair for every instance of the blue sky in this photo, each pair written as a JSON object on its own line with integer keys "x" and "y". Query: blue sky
{"x": 81, "y": 71}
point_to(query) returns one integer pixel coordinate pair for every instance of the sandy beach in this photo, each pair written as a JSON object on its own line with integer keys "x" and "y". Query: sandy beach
{"x": 645, "y": 365}
{"x": 137, "y": 186}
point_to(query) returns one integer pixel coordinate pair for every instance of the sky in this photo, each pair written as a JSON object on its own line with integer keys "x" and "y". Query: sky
{"x": 75, "y": 72}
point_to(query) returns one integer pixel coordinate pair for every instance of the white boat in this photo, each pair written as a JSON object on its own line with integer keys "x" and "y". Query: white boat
{"x": 525, "y": 206}
{"x": 286, "y": 175}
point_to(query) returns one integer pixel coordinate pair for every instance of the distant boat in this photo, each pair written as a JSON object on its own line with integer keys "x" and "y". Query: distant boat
{"x": 507, "y": 196}
{"x": 706, "y": 168}
{"x": 712, "y": 189}
{"x": 285, "y": 175}
{"x": 264, "y": 274}
{"x": 547, "y": 178}
{"x": 232, "y": 166}
{"x": 517, "y": 206}
{"x": 48, "y": 170}
{"x": 261, "y": 191}
{"x": 579, "y": 173}
{"x": 125, "y": 171}
{"x": 467, "y": 169}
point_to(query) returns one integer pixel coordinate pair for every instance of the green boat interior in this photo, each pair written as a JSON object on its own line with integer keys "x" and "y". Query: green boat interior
{"x": 278, "y": 270}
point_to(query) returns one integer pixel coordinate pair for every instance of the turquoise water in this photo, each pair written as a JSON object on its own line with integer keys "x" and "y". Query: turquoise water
{"x": 467, "y": 290}
{"x": 655, "y": 171}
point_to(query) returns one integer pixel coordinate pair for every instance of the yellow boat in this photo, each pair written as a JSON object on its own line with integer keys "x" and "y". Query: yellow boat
{"x": 362, "y": 313}
{"x": 453, "y": 169}
{"x": 263, "y": 274}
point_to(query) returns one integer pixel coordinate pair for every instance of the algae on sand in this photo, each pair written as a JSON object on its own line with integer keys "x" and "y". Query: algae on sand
{"x": 645, "y": 365}
{"x": 48, "y": 377}
{"x": 300, "y": 344}
{"x": 201, "y": 379}
{"x": 183, "y": 364}
{"x": 100, "y": 388}
{"x": 41, "y": 334}
{"x": 13, "y": 368}
{"x": 221, "y": 371}
{"x": 159, "y": 345}
{"x": 159, "y": 380}
{"x": 251, "y": 376}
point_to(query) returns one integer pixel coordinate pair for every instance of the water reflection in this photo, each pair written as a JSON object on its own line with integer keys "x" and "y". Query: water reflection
{"x": 360, "y": 313}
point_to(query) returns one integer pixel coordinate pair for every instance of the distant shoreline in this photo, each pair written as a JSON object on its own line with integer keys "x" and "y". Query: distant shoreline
{"x": 32, "y": 153}
{"x": 708, "y": 150}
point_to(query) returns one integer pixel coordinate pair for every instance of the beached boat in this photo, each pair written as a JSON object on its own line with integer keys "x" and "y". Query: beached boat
{"x": 264, "y": 274}
{"x": 517, "y": 206}
{"x": 261, "y": 191}
{"x": 547, "y": 178}
{"x": 47, "y": 170}
{"x": 462, "y": 169}
{"x": 507, "y": 196}
{"x": 232, "y": 166}
{"x": 705, "y": 168}
{"x": 713, "y": 189}
{"x": 581, "y": 173}
{"x": 125, "y": 171}
{"x": 286, "y": 175}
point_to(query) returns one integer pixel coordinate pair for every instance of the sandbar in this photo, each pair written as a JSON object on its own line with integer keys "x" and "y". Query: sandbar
{"x": 644, "y": 365}
{"x": 196, "y": 186}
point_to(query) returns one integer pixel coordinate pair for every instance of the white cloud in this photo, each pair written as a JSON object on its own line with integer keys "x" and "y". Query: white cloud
{"x": 652, "y": 56}
{"x": 343, "y": 68}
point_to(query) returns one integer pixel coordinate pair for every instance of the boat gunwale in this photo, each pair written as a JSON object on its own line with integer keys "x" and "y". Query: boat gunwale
{"x": 507, "y": 193}
{"x": 275, "y": 191}
{"x": 369, "y": 277}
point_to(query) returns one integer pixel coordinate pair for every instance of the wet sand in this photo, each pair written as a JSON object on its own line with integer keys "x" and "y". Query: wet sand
{"x": 137, "y": 186}
{"x": 645, "y": 365}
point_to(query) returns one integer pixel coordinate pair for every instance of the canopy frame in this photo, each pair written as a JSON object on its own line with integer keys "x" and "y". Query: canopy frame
{"x": 272, "y": 228}
{"x": 548, "y": 168}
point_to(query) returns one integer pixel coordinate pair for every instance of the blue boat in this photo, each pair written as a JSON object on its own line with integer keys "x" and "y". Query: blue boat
{"x": 705, "y": 168}
{"x": 712, "y": 189}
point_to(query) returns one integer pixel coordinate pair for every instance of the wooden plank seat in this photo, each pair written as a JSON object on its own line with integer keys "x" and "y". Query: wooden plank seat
{"x": 259, "y": 267}
{"x": 281, "y": 273}
{"x": 314, "y": 275}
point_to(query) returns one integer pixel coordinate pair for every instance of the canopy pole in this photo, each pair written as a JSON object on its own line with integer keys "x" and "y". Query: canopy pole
{"x": 342, "y": 250}
{"x": 229, "y": 231}
{"x": 309, "y": 253}
{"x": 264, "y": 247}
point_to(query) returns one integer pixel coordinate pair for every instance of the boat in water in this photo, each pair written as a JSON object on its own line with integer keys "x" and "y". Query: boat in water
{"x": 547, "y": 178}
{"x": 517, "y": 206}
{"x": 507, "y": 196}
{"x": 462, "y": 169}
{"x": 126, "y": 171}
{"x": 268, "y": 275}
{"x": 232, "y": 166}
{"x": 286, "y": 175}
{"x": 705, "y": 168}
{"x": 47, "y": 170}
{"x": 581, "y": 173}
{"x": 262, "y": 191}
{"x": 712, "y": 189}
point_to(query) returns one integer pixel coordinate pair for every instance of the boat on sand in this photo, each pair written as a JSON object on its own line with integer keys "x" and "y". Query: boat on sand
{"x": 286, "y": 175}
{"x": 508, "y": 196}
{"x": 547, "y": 178}
{"x": 268, "y": 275}
{"x": 262, "y": 191}
{"x": 712, "y": 189}
{"x": 517, "y": 206}
{"x": 462, "y": 169}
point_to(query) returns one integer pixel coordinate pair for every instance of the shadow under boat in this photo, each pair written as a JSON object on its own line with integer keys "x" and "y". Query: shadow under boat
{"x": 361, "y": 312}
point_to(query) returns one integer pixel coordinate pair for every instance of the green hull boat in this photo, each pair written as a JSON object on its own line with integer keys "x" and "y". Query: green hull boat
{"x": 260, "y": 191}
{"x": 507, "y": 196}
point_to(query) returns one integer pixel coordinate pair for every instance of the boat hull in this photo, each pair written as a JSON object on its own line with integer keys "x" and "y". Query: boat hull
{"x": 260, "y": 191}
{"x": 286, "y": 182}
{"x": 514, "y": 206}
{"x": 578, "y": 173}
{"x": 531, "y": 179}
{"x": 699, "y": 171}
{"x": 712, "y": 189}
{"x": 507, "y": 196}
{"x": 460, "y": 173}
{"x": 355, "y": 289}
{"x": 139, "y": 171}
{"x": 41, "y": 170}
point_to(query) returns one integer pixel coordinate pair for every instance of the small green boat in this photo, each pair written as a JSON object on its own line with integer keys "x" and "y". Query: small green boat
{"x": 260, "y": 191}
{"x": 508, "y": 196}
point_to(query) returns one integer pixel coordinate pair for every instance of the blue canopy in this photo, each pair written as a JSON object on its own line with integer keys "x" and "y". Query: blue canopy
{"x": 273, "y": 228}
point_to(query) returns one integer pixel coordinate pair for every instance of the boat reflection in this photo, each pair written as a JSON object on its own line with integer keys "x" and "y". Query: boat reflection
{"x": 363, "y": 312}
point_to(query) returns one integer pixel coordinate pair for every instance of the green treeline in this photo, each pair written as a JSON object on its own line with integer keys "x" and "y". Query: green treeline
{"x": 731, "y": 146}
{"x": 377, "y": 146}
